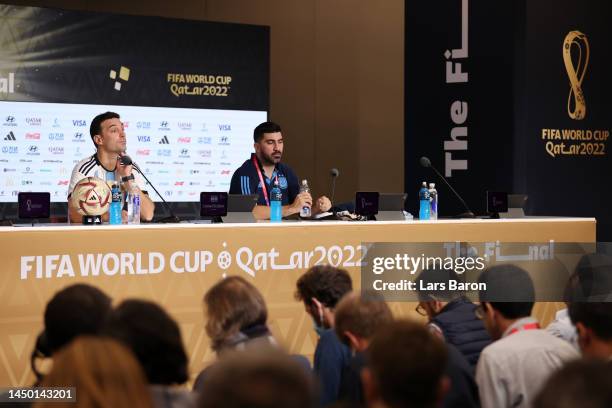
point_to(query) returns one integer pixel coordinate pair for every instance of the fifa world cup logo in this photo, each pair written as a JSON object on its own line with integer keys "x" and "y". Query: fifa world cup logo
{"x": 576, "y": 105}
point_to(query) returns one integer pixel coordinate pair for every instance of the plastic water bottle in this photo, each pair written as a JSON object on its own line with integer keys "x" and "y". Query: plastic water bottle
{"x": 424, "y": 207}
{"x": 276, "y": 203}
{"x": 305, "y": 212}
{"x": 433, "y": 200}
{"x": 133, "y": 201}
{"x": 114, "y": 216}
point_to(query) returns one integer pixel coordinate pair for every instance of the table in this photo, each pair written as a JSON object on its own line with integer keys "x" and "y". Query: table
{"x": 175, "y": 264}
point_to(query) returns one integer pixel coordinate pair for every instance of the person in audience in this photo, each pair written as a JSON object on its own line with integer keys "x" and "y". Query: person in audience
{"x": 578, "y": 384}
{"x": 236, "y": 320}
{"x": 258, "y": 173}
{"x": 593, "y": 321}
{"x": 512, "y": 369}
{"x": 236, "y": 316}
{"x": 451, "y": 315}
{"x": 357, "y": 318}
{"x": 405, "y": 367}
{"x": 76, "y": 310}
{"x": 268, "y": 379}
{"x": 155, "y": 339}
{"x": 320, "y": 289}
{"x": 591, "y": 281}
{"x": 102, "y": 372}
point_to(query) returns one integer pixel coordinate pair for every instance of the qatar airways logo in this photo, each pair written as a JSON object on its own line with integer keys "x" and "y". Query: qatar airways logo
{"x": 34, "y": 121}
{"x": 56, "y": 150}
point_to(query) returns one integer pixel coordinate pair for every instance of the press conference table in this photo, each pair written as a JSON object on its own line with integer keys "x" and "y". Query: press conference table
{"x": 174, "y": 264}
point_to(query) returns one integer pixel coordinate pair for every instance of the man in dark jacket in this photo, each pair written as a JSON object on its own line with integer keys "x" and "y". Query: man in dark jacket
{"x": 451, "y": 315}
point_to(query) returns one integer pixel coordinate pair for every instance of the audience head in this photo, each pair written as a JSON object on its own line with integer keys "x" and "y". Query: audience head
{"x": 268, "y": 379}
{"x": 508, "y": 297}
{"x": 103, "y": 372}
{"x": 405, "y": 367}
{"x": 592, "y": 279}
{"x": 233, "y": 305}
{"x": 578, "y": 384}
{"x": 321, "y": 288}
{"x": 154, "y": 338}
{"x": 358, "y": 317}
{"x": 593, "y": 321}
{"x": 75, "y": 310}
{"x": 431, "y": 300}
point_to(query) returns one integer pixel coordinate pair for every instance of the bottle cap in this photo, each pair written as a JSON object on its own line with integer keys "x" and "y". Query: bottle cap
{"x": 432, "y": 185}
{"x": 424, "y": 184}
{"x": 304, "y": 182}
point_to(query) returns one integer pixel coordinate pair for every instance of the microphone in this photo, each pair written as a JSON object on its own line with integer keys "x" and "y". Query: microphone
{"x": 126, "y": 161}
{"x": 333, "y": 173}
{"x": 425, "y": 162}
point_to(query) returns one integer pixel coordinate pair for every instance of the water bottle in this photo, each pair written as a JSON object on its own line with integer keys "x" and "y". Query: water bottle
{"x": 133, "y": 201}
{"x": 433, "y": 200}
{"x": 114, "y": 216}
{"x": 424, "y": 202}
{"x": 305, "y": 212}
{"x": 276, "y": 203}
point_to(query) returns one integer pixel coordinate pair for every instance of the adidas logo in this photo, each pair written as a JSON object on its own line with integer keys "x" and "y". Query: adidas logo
{"x": 164, "y": 140}
{"x": 10, "y": 136}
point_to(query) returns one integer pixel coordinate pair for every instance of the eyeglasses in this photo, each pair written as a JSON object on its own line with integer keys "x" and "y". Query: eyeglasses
{"x": 480, "y": 311}
{"x": 421, "y": 310}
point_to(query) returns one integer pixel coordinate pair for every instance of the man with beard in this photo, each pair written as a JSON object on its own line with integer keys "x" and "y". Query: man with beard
{"x": 258, "y": 175}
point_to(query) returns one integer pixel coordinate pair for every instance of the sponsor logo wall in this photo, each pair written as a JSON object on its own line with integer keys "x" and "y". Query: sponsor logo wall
{"x": 182, "y": 151}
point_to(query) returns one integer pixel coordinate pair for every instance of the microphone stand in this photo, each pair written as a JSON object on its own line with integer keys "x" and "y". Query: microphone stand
{"x": 468, "y": 213}
{"x": 167, "y": 220}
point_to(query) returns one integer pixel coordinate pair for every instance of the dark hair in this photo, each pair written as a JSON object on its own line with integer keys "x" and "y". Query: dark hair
{"x": 591, "y": 280}
{"x": 509, "y": 290}
{"x": 263, "y": 380}
{"x": 361, "y": 314}
{"x": 75, "y": 310}
{"x": 597, "y": 316}
{"x": 578, "y": 384}
{"x": 324, "y": 282}
{"x": 435, "y": 276}
{"x": 154, "y": 337}
{"x": 266, "y": 127}
{"x": 407, "y": 364}
{"x": 96, "y": 124}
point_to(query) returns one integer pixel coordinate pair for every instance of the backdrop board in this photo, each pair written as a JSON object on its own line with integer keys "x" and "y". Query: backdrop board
{"x": 189, "y": 93}
{"x": 512, "y": 96}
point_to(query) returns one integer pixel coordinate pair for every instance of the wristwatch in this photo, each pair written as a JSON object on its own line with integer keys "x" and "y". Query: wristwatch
{"x": 125, "y": 179}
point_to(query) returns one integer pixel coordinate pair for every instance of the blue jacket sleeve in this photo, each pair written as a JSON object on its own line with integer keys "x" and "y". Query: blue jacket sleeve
{"x": 235, "y": 184}
{"x": 330, "y": 359}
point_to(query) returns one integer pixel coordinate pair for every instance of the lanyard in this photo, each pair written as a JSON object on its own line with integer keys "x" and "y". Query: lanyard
{"x": 528, "y": 326}
{"x": 261, "y": 180}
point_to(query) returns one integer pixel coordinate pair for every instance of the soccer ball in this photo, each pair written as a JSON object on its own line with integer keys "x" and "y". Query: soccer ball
{"x": 91, "y": 196}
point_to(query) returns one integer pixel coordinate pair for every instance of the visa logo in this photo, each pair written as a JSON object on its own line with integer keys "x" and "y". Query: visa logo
{"x": 144, "y": 138}
{"x": 79, "y": 122}
{"x": 225, "y": 128}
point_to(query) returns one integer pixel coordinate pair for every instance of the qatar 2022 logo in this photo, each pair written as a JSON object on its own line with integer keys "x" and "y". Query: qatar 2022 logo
{"x": 576, "y": 67}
